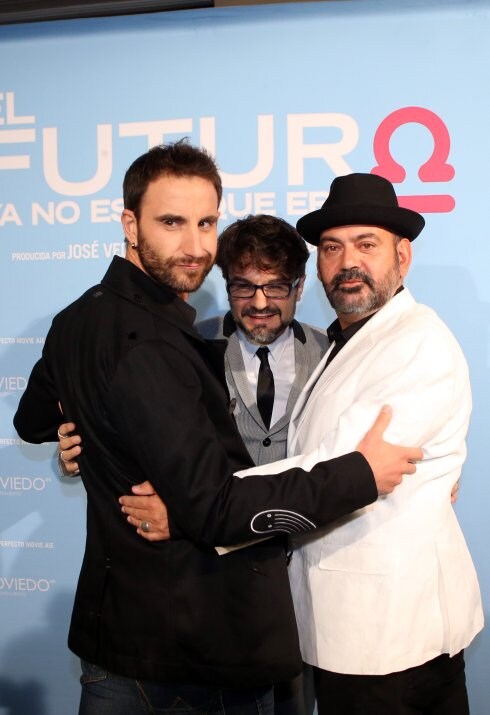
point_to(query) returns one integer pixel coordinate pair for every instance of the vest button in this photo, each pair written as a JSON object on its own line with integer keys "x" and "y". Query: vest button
{"x": 266, "y": 442}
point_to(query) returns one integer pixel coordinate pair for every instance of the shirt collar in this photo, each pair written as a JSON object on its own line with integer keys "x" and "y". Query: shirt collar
{"x": 276, "y": 348}
{"x": 341, "y": 337}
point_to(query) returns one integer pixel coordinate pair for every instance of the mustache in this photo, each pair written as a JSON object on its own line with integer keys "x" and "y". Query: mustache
{"x": 257, "y": 312}
{"x": 349, "y": 274}
{"x": 190, "y": 261}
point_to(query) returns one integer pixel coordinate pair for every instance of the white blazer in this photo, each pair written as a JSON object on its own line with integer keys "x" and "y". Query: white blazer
{"x": 392, "y": 585}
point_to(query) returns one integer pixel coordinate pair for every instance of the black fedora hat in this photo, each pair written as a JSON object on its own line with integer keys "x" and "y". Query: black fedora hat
{"x": 364, "y": 199}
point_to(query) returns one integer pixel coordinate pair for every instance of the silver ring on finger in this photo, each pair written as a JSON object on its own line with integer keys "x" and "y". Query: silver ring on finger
{"x": 145, "y": 526}
{"x": 62, "y": 458}
{"x": 61, "y": 436}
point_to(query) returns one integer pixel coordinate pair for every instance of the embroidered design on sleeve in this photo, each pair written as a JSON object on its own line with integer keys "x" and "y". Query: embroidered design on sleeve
{"x": 280, "y": 520}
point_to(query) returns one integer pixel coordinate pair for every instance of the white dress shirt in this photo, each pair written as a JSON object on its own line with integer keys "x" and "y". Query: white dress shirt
{"x": 282, "y": 364}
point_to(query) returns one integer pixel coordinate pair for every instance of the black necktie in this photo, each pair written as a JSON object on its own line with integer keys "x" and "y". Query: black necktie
{"x": 265, "y": 387}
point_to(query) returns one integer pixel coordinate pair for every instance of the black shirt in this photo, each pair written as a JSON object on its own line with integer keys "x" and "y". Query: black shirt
{"x": 341, "y": 337}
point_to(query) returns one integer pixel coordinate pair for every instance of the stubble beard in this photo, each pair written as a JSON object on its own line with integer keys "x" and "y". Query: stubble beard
{"x": 167, "y": 272}
{"x": 260, "y": 334}
{"x": 355, "y": 301}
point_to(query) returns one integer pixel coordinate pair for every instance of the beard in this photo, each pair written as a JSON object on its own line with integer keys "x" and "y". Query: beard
{"x": 260, "y": 334}
{"x": 355, "y": 300}
{"x": 169, "y": 272}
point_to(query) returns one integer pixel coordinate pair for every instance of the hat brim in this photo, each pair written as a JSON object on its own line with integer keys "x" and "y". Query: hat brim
{"x": 404, "y": 222}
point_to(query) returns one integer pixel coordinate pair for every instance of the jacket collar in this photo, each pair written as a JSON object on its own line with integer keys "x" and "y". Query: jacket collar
{"x": 131, "y": 283}
{"x": 336, "y": 334}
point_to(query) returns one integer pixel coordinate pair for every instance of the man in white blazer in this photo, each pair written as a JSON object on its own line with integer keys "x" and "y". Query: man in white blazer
{"x": 387, "y": 598}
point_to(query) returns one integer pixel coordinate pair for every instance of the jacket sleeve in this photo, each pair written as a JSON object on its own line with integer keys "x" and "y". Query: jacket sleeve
{"x": 157, "y": 407}
{"x": 425, "y": 380}
{"x": 38, "y": 414}
{"x": 423, "y": 376}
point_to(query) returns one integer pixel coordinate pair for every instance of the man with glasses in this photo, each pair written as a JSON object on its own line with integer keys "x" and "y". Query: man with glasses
{"x": 263, "y": 260}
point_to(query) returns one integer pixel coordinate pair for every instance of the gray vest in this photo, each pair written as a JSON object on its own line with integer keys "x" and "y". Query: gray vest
{"x": 265, "y": 445}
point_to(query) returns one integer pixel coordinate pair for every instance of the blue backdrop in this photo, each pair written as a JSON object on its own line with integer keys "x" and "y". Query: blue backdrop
{"x": 287, "y": 97}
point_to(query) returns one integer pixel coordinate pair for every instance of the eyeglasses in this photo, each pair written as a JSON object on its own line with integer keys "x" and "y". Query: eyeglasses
{"x": 279, "y": 291}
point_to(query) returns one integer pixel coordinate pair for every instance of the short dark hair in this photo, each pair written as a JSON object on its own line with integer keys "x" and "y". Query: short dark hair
{"x": 265, "y": 242}
{"x": 176, "y": 159}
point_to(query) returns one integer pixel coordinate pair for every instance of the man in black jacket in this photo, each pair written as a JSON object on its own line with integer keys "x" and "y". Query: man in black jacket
{"x": 173, "y": 622}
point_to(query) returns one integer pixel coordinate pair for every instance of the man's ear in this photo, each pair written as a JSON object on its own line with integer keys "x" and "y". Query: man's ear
{"x": 130, "y": 226}
{"x": 404, "y": 251}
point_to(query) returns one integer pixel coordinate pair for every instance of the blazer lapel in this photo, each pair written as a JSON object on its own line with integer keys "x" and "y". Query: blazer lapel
{"x": 346, "y": 361}
{"x": 238, "y": 377}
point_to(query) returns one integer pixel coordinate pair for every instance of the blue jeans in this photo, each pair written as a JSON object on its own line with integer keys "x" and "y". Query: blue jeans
{"x": 104, "y": 693}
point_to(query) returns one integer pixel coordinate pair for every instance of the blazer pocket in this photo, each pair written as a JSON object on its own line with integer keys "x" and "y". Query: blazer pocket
{"x": 374, "y": 559}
